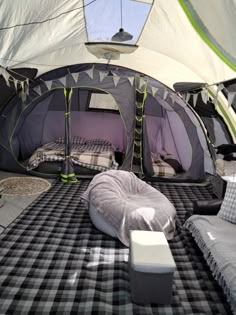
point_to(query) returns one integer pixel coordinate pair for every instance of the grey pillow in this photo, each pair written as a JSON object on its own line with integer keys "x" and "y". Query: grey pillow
{"x": 74, "y": 140}
{"x": 228, "y": 208}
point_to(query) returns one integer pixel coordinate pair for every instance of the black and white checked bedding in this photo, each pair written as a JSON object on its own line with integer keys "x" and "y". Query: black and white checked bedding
{"x": 161, "y": 168}
{"x": 227, "y": 209}
{"x": 92, "y": 155}
{"x": 53, "y": 261}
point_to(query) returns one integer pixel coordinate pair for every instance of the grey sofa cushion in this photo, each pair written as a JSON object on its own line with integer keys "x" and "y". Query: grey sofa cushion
{"x": 228, "y": 208}
{"x": 216, "y": 238}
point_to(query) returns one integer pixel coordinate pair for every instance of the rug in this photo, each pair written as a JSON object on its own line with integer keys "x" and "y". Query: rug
{"x": 23, "y": 186}
{"x": 54, "y": 261}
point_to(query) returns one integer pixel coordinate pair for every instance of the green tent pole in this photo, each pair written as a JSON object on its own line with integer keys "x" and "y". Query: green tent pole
{"x": 68, "y": 173}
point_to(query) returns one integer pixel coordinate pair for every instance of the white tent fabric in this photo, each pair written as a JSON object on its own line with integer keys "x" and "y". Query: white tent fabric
{"x": 170, "y": 49}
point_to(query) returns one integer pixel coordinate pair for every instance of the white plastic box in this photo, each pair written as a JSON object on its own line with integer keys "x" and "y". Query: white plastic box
{"x": 151, "y": 268}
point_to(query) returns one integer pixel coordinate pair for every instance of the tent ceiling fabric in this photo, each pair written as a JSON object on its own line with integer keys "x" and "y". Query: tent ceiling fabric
{"x": 170, "y": 49}
{"x": 205, "y": 17}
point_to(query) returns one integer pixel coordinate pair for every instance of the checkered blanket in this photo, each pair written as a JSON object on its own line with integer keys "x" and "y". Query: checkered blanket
{"x": 53, "y": 261}
{"x": 92, "y": 155}
{"x": 161, "y": 168}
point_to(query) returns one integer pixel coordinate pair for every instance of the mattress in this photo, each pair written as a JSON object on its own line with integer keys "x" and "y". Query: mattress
{"x": 91, "y": 155}
{"x": 55, "y": 167}
{"x": 225, "y": 168}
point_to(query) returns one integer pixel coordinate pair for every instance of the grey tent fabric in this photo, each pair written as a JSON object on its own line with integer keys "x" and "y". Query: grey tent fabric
{"x": 168, "y": 122}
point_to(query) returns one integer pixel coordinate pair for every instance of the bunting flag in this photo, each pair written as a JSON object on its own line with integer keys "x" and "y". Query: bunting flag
{"x": 205, "y": 95}
{"x": 142, "y": 82}
{"x": 219, "y": 88}
{"x": 90, "y": 73}
{"x": 165, "y": 94}
{"x": 5, "y": 75}
{"x": 116, "y": 80}
{"x": 187, "y": 97}
{"x": 48, "y": 84}
{"x": 27, "y": 86}
{"x": 75, "y": 76}
{"x": 131, "y": 80}
{"x": 37, "y": 89}
{"x": 23, "y": 92}
{"x": 15, "y": 84}
{"x": 231, "y": 96}
{"x": 173, "y": 97}
{"x": 102, "y": 75}
{"x": 154, "y": 90}
{"x": 195, "y": 97}
{"x": 63, "y": 81}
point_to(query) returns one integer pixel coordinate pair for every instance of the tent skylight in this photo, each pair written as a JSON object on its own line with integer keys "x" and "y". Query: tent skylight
{"x": 103, "y": 19}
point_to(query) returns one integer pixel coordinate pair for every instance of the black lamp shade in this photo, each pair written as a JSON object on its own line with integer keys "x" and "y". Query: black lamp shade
{"x": 121, "y": 36}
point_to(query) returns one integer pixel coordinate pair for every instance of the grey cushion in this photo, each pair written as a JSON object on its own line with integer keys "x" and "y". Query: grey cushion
{"x": 216, "y": 239}
{"x": 228, "y": 208}
{"x": 100, "y": 223}
{"x": 128, "y": 203}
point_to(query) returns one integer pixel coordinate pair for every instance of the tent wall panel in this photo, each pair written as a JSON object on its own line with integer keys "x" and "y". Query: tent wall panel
{"x": 89, "y": 125}
{"x": 154, "y": 134}
{"x": 8, "y": 162}
{"x": 171, "y": 138}
{"x": 31, "y": 132}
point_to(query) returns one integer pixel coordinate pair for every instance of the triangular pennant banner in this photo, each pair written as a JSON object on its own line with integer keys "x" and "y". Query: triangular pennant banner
{"x": 204, "y": 95}
{"x": 15, "y": 84}
{"x": 63, "y": 81}
{"x": 27, "y": 86}
{"x": 48, "y": 84}
{"x": 173, "y": 97}
{"x": 187, "y": 97}
{"x": 22, "y": 85}
{"x": 131, "y": 80}
{"x": 219, "y": 88}
{"x": 141, "y": 83}
{"x": 231, "y": 96}
{"x": 23, "y": 91}
{"x": 183, "y": 94}
{"x": 75, "y": 76}
{"x": 195, "y": 97}
{"x": 154, "y": 90}
{"x": 102, "y": 75}
{"x": 165, "y": 94}
{"x": 90, "y": 73}
{"x": 116, "y": 80}
{"x": 5, "y": 75}
{"x": 37, "y": 89}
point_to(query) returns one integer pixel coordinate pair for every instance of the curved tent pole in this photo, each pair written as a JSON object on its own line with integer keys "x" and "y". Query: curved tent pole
{"x": 68, "y": 173}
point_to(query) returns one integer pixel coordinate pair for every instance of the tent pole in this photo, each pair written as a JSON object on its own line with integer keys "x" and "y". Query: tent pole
{"x": 68, "y": 173}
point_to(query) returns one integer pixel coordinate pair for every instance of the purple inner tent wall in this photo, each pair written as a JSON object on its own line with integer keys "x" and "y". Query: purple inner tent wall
{"x": 90, "y": 125}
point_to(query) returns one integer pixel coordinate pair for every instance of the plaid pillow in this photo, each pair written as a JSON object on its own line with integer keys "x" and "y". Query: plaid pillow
{"x": 161, "y": 168}
{"x": 98, "y": 141}
{"x": 228, "y": 208}
{"x": 172, "y": 161}
{"x": 74, "y": 140}
{"x": 60, "y": 140}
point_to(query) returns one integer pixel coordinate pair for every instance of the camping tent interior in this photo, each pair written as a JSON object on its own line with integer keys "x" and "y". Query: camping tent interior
{"x": 105, "y": 105}
{"x": 146, "y": 86}
{"x": 141, "y": 46}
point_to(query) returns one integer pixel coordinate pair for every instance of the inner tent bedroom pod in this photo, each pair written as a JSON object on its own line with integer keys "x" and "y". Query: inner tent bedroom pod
{"x": 147, "y": 125}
